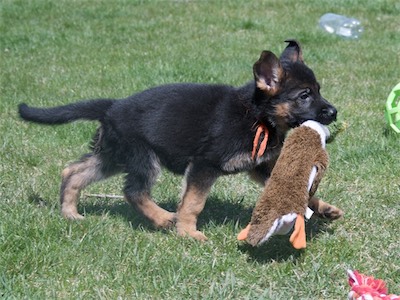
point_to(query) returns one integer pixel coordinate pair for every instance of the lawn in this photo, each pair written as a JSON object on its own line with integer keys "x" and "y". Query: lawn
{"x": 56, "y": 52}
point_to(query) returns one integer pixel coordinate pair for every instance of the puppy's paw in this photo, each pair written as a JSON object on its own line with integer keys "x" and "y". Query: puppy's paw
{"x": 72, "y": 215}
{"x": 193, "y": 233}
{"x": 196, "y": 234}
{"x": 166, "y": 220}
{"x": 325, "y": 210}
{"x": 331, "y": 212}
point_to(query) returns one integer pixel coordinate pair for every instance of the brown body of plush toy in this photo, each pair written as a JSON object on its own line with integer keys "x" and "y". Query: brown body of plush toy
{"x": 293, "y": 181}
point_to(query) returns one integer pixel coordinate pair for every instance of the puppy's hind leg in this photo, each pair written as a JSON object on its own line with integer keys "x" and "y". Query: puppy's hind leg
{"x": 76, "y": 177}
{"x": 143, "y": 169}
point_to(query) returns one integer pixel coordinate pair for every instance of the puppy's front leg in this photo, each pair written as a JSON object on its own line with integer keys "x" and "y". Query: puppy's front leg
{"x": 198, "y": 184}
{"x": 324, "y": 210}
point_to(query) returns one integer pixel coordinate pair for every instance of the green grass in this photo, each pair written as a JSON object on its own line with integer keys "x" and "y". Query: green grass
{"x": 56, "y": 52}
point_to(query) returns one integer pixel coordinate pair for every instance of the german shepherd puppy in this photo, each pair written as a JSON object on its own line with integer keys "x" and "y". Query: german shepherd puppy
{"x": 200, "y": 130}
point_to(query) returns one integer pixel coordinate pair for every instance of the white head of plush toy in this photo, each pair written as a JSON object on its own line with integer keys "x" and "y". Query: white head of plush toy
{"x": 293, "y": 181}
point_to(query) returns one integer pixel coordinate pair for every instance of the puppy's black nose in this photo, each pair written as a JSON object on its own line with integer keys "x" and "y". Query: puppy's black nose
{"x": 330, "y": 112}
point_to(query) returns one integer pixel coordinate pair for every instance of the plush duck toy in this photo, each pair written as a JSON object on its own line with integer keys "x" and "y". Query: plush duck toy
{"x": 293, "y": 181}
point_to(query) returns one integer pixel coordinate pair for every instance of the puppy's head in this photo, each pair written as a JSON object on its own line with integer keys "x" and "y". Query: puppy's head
{"x": 288, "y": 92}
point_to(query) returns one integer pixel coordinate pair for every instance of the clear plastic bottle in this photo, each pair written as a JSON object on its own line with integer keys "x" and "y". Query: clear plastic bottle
{"x": 340, "y": 25}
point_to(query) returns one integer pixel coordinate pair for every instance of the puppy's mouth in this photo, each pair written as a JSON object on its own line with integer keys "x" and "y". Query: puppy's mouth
{"x": 326, "y": 121}
{"x": 323, "y": 121}
{"x": 296, "y": 123}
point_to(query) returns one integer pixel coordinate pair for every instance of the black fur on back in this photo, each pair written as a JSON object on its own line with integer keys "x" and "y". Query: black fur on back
{"x": 183, "y": 123}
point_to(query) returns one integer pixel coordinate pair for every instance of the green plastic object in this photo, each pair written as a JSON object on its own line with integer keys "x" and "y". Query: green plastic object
{"x": 392, "y": 109}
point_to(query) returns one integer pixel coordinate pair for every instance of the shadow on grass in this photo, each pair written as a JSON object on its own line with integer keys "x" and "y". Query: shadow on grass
{"x": 115, "y": 207}
{"x": 35, "y": 199}
{"x": 216, "y": 212}
{"x": 219, "y": 211}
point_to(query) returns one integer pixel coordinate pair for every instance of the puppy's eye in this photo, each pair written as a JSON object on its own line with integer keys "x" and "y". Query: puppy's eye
{"x": 304, "y": 96}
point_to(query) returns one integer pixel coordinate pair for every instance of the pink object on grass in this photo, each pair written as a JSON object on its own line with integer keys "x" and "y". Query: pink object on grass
{"x": 365, "y": 287}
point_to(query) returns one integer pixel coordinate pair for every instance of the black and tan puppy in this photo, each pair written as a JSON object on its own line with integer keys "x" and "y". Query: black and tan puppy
{"x": 200, "y": 130}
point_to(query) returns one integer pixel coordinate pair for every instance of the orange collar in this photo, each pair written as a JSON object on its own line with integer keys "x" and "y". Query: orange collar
{"x": 263, "y": 144}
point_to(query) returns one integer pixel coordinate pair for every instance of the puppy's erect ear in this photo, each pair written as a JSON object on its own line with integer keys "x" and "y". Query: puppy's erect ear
{"x": 268, "y": 73}
{"x": 292, "y": 52}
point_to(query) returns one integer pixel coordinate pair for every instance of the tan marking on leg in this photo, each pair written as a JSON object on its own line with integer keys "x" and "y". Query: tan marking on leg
{"x": 74, "y": 178}
{"x": 160, "y": 217}
{"x": 197, "y": 187}
{"x": 325, "y": 210}
{"x": 191, "y": 206}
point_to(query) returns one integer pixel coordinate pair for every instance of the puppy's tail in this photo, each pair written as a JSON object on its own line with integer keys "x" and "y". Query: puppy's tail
{"x": 87, "y": 110}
